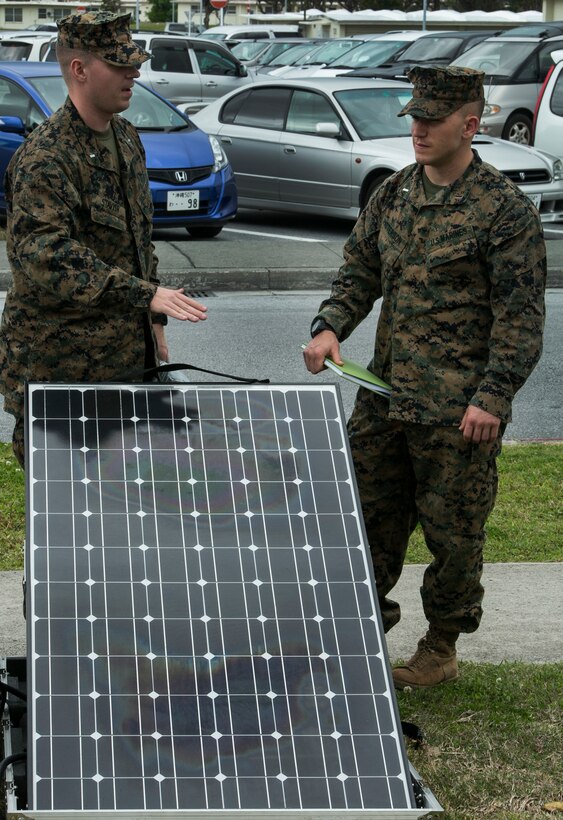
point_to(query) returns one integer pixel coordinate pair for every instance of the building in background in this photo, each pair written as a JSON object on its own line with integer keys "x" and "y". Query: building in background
{"x": 338, "y": 22}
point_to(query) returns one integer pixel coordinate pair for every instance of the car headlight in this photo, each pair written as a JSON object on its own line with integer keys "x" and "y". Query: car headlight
{"x": 219, "y": 155}
{"x": 491, "y": 109}
{"x": 558, "y": 169}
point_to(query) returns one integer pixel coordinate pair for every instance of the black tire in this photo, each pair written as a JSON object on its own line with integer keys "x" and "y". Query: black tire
{"x": 518, "y": 129}
{"x": 203, "y": 233}
{"x": 372, "y": 186}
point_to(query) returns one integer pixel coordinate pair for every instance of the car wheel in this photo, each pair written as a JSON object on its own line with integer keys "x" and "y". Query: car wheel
{"x": 372, "y": 187}
{"x": 203, "y": 233}
{"x": 518, "y": 129}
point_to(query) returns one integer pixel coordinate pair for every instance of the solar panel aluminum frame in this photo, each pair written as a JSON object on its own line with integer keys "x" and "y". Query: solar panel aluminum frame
{"x": 78, "y": 475}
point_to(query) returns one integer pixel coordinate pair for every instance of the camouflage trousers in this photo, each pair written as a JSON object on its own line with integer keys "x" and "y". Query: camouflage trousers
{"x": 410, "y": 473}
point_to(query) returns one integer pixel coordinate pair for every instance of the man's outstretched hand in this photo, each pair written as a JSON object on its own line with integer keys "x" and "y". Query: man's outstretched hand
{"x": 177, "y": 305}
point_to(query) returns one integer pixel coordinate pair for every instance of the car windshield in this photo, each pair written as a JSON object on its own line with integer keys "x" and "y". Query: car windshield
{"x": 373, "y": 111}
{"x": 289, "y": 56}
{"x": 147, "y": 111}
{"x": 432, "y": 48}
{"x": 327, "y": 52}
{"x": 14, "y": 51}
{"x": 248, "y": 50}
{"x": 368, "y": 54}
{"x": 498, "y": 58}
{"x": 272, "y": 51}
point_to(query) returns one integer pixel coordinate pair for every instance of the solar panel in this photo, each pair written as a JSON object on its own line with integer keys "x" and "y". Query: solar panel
{"x": 204, "y": 636}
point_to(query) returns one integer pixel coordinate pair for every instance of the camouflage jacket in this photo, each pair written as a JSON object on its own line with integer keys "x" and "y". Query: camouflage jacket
{"x": 462, "y": 278}
{"x": 79, "y": 246}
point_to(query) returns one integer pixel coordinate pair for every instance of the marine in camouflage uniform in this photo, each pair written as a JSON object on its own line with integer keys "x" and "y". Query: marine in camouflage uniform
{"x": 79, "y": 241}
{"x": 461, "y": 273}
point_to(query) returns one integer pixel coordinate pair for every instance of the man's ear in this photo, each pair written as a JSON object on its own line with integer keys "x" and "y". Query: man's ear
{"x": 76, "y": 69}
{"x": 471, "y": 126}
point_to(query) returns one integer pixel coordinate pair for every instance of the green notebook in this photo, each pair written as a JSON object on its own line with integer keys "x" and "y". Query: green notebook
{"x": 359, "y": 375}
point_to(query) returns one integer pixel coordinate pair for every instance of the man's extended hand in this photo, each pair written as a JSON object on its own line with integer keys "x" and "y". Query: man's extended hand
{"x": 324, "y": 344}
{"x": 176, "y": 305}
{"x": 477, "y": 425}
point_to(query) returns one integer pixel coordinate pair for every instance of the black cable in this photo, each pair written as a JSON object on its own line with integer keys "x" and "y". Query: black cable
{"x": 20, "y": 756}
{"x": 13, "y": 691}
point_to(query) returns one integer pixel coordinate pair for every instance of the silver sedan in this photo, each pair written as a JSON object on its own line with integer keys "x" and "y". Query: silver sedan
{"x": 323, "y": 146}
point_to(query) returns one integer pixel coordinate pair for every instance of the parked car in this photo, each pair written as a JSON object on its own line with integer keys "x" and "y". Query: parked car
{"x": 548, "y": 119}
{"x": 309, "y": 61}
{"x": 254, "y": 53}
{"x": 372, "y": 53}
{"x": 250, "y": 32}
{"x": 336, "y": 52}
{"x": 434, "y": 48}
{"x": 324, "y": 145}
{"x": 282, "y": 61}
{"x": 189, "y": 69}
{"x": 191, "y": 29}
{"x": 515, "y": 68}
{"x": 32, "y": 47}
{"x": 190, "y": 178}
{"x": 542, "y": 29}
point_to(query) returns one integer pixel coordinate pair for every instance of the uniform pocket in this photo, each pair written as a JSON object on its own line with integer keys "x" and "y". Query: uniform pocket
{"x": 116, "y": 220}
{"x": 452, "y": 252}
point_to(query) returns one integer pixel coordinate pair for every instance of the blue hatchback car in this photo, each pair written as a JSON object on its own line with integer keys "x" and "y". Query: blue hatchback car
{"x": 191, "y": 181}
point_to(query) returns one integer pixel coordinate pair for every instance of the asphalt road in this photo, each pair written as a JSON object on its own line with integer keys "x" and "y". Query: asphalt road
{"x": 258, "y": 334}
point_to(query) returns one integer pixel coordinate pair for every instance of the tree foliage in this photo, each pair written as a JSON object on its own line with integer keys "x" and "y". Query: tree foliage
{"x": 160, "y": 11}
{"x": 113, "y": 6}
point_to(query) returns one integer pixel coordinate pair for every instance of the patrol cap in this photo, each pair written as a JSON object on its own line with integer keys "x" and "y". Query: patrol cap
{"x": 441, "y": 90}
{"x": 104, "y": 34}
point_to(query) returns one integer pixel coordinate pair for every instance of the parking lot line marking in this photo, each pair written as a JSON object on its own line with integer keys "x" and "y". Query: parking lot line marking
{"x": 274, "y": 235}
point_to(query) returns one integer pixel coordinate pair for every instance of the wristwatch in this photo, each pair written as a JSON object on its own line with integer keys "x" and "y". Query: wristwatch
{"x": 319, "y": 325}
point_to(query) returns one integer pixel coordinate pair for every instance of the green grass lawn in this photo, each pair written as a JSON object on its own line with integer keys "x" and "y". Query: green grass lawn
{"x": 526, "y": 524}
{"x": 493, "y": 740}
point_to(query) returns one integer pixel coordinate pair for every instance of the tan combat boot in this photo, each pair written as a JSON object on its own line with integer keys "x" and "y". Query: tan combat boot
{"x": 433, "y": 662}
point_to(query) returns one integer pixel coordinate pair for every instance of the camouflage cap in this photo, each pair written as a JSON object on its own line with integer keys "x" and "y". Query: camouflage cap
{"x": 441, "y": 90}
{"x": 104, "y": 34}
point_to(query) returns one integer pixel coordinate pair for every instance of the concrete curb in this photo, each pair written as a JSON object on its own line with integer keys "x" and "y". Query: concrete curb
{"x": 231, "y": 279}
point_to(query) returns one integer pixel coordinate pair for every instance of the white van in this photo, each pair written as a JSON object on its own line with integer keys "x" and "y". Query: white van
{"x": 548, "y": 120}
{"x": 251, "y": 32}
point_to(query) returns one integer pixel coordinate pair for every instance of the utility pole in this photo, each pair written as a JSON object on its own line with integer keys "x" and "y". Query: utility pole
{"x": 424, "y": 9}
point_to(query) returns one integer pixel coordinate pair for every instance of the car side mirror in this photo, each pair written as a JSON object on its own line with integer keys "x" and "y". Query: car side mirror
{"x": 242, "y": 71}
{"x": 12, "y": 125}
{"x": 327, "y": 129}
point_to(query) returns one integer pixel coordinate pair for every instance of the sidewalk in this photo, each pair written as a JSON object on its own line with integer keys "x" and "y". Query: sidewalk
{"x": 522, "y": 621}
{"x": 261, "y": 263}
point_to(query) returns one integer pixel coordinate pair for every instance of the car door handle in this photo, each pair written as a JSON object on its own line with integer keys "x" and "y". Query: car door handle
{"x": 211, "y": 84}
{"x": 227, "y": 140}
{"x": 162, "y": 82}
{"x": 289, "y": 149}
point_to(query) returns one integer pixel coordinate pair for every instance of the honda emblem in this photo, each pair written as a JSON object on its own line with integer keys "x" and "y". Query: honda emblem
{"x": 181, "y": 176}
{"x": 522, "y": 176}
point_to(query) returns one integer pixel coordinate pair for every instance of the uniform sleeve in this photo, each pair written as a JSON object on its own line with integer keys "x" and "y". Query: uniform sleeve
{"x": 518, "y": 270}
{"x": 358, "y": 284}
{"x": 44, "y": 200}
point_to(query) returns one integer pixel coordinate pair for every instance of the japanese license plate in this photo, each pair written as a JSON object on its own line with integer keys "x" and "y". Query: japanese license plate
{"x": 182, "y": 201}
{"x": 536, "y": 199}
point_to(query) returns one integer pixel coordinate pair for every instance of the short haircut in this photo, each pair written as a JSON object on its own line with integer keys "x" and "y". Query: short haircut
{"x": 475, "y": 108}
{"x": 66, "y": 55}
